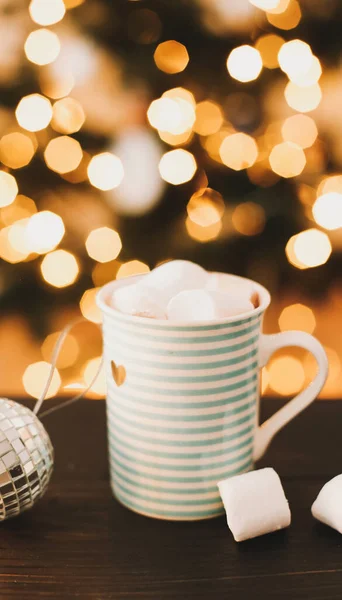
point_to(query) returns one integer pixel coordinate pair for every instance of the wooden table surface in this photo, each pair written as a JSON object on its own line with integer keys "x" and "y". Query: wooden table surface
{"x": 78, "y": 542}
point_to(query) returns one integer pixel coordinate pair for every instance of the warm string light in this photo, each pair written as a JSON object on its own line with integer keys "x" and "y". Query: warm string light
{"x": 297, "y": 316}
{"x": 177, "y": 166}
{"x": 287, "y": 159}
{"x": 35, "y": 376}
{"x": 105, "y": 171}
{"x": 310, "y": 248}
{"x": 8, "y": 188}
{"x": 171, "y": 57}
{"x": 63, "y": 154}
{"x": 46, "y": 12}
{"x": 16, "y": 150}
{"x": 42, "y": 46}
{"x": 88, "y": 306}
{"x": 34, "y": 112}
{"x": 244, "y": 63}
{"x": 238, "y": 151}
{"x": 59, "y": 268}
{"x": 103, "y": 244}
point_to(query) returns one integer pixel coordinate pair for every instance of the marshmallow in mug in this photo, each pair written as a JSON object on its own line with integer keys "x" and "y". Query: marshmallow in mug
{"x": 327, "y": 507}
{"x": 201, "y": 305}
{"x": 255, "y": 504}
{"x": 180, "y": 290}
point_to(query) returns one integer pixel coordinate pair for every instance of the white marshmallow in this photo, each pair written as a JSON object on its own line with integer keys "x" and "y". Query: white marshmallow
{"x": 135, "y": 299}
{"x": 255, "y": 504}
{"x": 223, "y": 282}
{"x": 172, "y": 277}
{"x": 204, "y": 305}
{"x": 328, "y": 504}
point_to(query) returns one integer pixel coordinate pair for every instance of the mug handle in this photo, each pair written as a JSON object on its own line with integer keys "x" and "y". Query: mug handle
{"x": 268, "y": 345}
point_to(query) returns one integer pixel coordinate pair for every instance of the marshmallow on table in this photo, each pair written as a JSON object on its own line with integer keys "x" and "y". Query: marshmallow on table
{"x": 327, "y": 507}
{"x": 205, "y": 305}
{"x": 255, "y": 504}
{"x": 135, "y": 299}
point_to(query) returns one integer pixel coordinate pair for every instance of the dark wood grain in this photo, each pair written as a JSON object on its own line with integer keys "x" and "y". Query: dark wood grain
{"x": 78, "y": 542}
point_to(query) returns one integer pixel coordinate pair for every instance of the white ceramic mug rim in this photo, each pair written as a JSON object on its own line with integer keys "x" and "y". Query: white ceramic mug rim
{"x": 102, "y": 295}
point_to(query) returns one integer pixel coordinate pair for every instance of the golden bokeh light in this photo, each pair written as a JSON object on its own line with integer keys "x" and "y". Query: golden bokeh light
{"x": 103, "y": 244}
{"x": 213, "y": 142}
{"x": 34, "y": 112}
{"x": 132, "y": 267}
{"x": 63, "y": 154}
{"x": 244, "y": 63}
{"x": 177, "y": 166}
{"x": 172, "y": 115}
{"x": 21, "y": 208}
{"x": 312, "y": 76}
{"x": 89, "y": 372}
{"x": 47, "y": 12}
{"x": 44, "y": 231}
{"x": 205, "y": 207}
{"x": 59, "y": 268}
{"x": 291, "y": 254}
{"x": 35, "y": 377}
{"x": 288, "y": 19}
{"x": 303, "y": 99}
{"x": 300, "y": 129}
{"x": 42, "y": 46}
{"x": 297, "y": 316}
{"x": 333, "y": 183}
{"x": 180, "y": 93}
{"x": 238, "y": 151}
{"x": 287, "y": 159}
{"x": 72, "y": 3}
{"x": 17, "y": 237}
{"x": 68, "y": 116}
{"x": 88, "y": 306}
{"x": 56, "y": 87}
{"x": 295, "y": 59}
{"x": 249, "y": 218}
{"x": 201, "y": 233}
{"x": 309, "y": 248}
{"x": 269, "y": 46}
{"x": 286, "y": 375}
{"x": 209, "y": 118}
{"x": 69, "y": 351}
{"x": 176, "y": 140}
{"x": 265, "y": 4}
{"x": 282, "y": 6}
{"x": 7, "y": 251}
{"x": 16, "y": 150}
{"x": 8, "y": 188}
{"x": 105, "y": 171}
{"x": 327, "y": 210}
{"x": 171, "y": 57}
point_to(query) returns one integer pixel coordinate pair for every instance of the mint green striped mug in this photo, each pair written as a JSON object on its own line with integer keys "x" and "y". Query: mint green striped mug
{"x": 183, "y": 403}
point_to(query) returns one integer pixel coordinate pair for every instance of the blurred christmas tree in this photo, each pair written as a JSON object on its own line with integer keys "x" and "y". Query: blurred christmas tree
{"x": 136, "y": 131}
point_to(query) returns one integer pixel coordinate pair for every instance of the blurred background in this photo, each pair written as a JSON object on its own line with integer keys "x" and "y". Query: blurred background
{"x": 136, "y": 131}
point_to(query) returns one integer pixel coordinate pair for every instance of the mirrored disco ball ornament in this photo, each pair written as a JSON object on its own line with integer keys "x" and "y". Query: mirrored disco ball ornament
{"x": 26, "y": 458}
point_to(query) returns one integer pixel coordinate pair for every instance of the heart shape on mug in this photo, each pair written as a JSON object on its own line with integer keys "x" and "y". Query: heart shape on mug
{"x": 118, "y": 372}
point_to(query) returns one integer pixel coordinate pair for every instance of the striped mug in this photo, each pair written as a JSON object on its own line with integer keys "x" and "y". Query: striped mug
{"x": 183, "y": 404}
